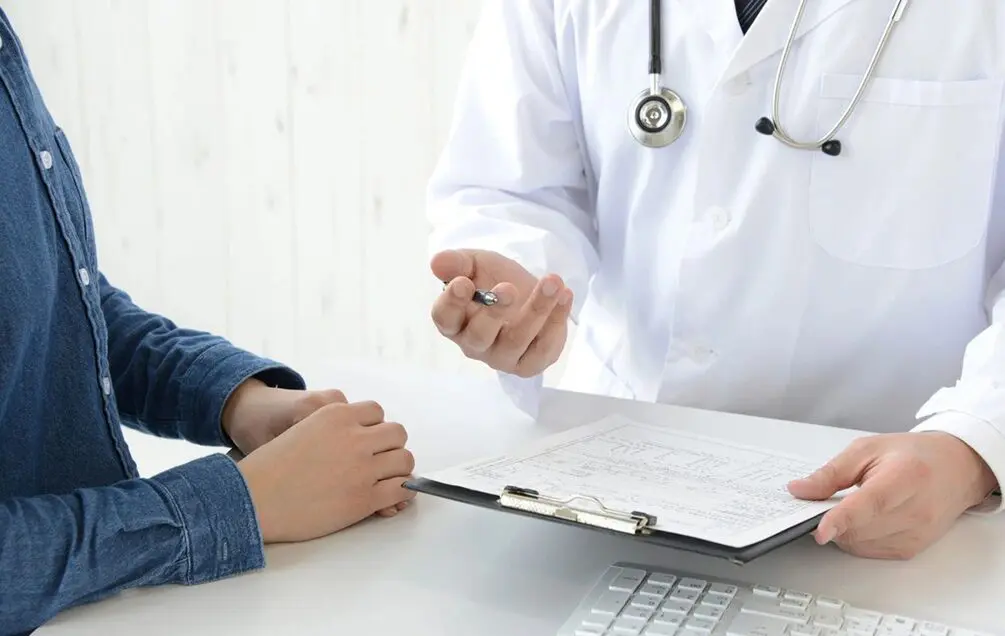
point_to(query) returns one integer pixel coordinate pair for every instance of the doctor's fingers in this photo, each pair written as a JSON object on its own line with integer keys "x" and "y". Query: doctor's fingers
{"x": 483, "y": 325}
{"x": 518, "y": 335}
{"x": 451, "y": 310}
{"x": 874, "y": 502}
{"x": 547, "y": 347}
{"x": 906, "y": 543}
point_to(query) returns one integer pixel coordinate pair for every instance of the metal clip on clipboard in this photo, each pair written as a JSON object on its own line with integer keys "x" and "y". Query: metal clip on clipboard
{"x": 601, "y": 516}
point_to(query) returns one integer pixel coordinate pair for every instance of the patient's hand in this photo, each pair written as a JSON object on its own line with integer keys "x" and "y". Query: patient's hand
{"x": 256, "y": 413}
{"x": 337, "y": 466}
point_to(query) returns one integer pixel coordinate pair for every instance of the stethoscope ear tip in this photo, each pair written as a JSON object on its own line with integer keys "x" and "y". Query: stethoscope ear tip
{"x": 832, "y": 147}
{"x": 765, "y": 126}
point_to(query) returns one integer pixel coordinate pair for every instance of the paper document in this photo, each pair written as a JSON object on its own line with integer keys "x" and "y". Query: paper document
{"x": 706, "y": 488}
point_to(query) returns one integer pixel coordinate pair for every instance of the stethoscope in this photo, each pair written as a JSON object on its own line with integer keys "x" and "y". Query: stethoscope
{"x": 658, "y": 116}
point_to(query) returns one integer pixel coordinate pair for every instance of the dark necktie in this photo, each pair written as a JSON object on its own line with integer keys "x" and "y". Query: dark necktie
{"x": 747, "y": 10}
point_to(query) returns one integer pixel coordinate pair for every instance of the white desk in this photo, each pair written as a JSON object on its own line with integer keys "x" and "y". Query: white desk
{"x": 445, "y": 569}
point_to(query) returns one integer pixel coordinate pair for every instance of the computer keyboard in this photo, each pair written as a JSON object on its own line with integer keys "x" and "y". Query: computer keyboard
{"x": 635, "y": 600}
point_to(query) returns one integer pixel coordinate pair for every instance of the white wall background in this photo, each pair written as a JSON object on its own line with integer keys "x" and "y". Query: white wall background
{"x": 257, "y": 168}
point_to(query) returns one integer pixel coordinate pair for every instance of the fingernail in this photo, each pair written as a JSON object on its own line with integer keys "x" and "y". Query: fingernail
{"x": 828, "y": 535}
{"x": 565, "y": 298}
{"x": 549, "y": 288}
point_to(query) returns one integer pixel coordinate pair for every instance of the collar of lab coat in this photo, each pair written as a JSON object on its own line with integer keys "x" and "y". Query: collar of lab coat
{"x": 770, "y": 31}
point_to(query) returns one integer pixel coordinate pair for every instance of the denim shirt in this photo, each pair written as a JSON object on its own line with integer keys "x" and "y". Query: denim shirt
{"x": 77, "y": 360}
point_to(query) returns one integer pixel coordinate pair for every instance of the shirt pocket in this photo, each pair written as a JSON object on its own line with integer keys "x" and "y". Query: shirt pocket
{"x": 912, "y": 188}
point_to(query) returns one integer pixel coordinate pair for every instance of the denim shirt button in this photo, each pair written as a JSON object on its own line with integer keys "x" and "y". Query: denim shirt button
{"x": 46, "y": 158}
{"x": 1, "y": 41}
{"x": 106, "y": 385}
{"x": 85, "y": 278}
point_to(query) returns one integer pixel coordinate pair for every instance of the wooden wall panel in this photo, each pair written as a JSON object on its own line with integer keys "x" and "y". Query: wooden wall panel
{"x": 258, "y": 167}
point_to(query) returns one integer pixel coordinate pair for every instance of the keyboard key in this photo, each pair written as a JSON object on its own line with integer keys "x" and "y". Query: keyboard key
{"x": 671, "y": 606}
{"x": 755, "y": 606}
{"x": 829, "y": 603}
{"x": 633, "y": 573}
{"x": 828, "y": 621}
{"x": 598, "y": 621}
{"x": 792, "y": 595}
{"x": 766, "y": 590}
{"x": 639, "y": 613}
{"x": 712, "y": 600}
{"x": 660, "y": 630}
{"x": 688, "y": 596}
{"x": 610, "y": 603}
{"x": 899, "y": 623}
{"x": 856, "y": 626}
{"x": 692, "y": 584}
{"x": 656, "y": 591}
{"x": 661, "y": 578}
{"x": 794, "y": 603}
{"x": 627, "y": 581}
{"x": 711, "y": 613}
{"x": 806, "y": 630}
{"x": 589, "y": 630}
{"x": 668, "y": 621}
{"x": 721, "y": 589}
{"x": 646, "y": 602}
{"x": 933, "y": 629}
{"x": 695, "y": 626}
{"x": 756, "y": 625}
{"x": 628, "y": 626}
{"x": 865, "y": 616}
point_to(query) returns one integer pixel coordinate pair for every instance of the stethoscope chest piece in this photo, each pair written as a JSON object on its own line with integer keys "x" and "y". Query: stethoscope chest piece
{"x": 657, "y": 117}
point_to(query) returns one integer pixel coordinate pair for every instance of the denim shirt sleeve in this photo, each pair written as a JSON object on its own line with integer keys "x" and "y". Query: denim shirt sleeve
{"x": 174, "y": 382}
{"x": 189, "y": 525}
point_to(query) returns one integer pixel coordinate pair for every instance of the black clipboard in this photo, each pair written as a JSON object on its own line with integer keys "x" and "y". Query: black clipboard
{"x": 636, "y": 525}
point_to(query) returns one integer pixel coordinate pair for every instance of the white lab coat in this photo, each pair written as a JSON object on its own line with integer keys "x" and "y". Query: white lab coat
{"x": 728, "y": 271}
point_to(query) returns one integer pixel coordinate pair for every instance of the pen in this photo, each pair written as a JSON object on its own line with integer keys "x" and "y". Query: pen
{"x": 483, "y": 297}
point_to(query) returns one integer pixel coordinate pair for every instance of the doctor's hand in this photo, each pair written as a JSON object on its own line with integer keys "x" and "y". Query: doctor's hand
{"x": 912, "y": 488}
{"x": 524, "y": 333}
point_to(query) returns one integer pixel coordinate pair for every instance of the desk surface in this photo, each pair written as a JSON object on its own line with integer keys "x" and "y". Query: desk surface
{"x": 444, "y": 569}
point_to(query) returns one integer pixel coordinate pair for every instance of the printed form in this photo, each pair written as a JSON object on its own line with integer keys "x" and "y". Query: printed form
{"x": 701, "y": 487}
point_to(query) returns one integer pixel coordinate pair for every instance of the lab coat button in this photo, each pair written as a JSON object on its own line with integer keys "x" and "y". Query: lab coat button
{"x": 700, "y": 355}
{"x": 719, "y": 218}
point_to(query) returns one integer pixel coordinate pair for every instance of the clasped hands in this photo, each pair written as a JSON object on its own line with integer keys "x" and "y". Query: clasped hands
{"x": 911, "y": 487}
{"x": 315, "y": 463}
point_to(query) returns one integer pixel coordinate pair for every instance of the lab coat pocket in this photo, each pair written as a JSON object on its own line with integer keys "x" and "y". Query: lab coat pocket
{"x": 912, "y": 188}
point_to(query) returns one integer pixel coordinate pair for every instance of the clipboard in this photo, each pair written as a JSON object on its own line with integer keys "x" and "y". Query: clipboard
{"x": 588, "y": 512}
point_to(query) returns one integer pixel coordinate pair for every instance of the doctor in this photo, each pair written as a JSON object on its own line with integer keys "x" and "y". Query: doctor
{"x": 786, "y": 208}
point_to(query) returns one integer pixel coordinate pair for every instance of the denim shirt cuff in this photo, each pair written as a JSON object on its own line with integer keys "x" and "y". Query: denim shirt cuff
{"x": 222, "y": 537}
{"x": 214, "y": 376}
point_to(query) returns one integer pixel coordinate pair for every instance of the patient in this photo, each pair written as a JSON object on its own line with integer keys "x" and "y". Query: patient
{"x": 79, "y": 359}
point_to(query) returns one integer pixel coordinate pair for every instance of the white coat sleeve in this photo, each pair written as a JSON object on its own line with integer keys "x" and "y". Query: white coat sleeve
{"x": 973, "y": 410}
{"x": 512, "y": 176}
